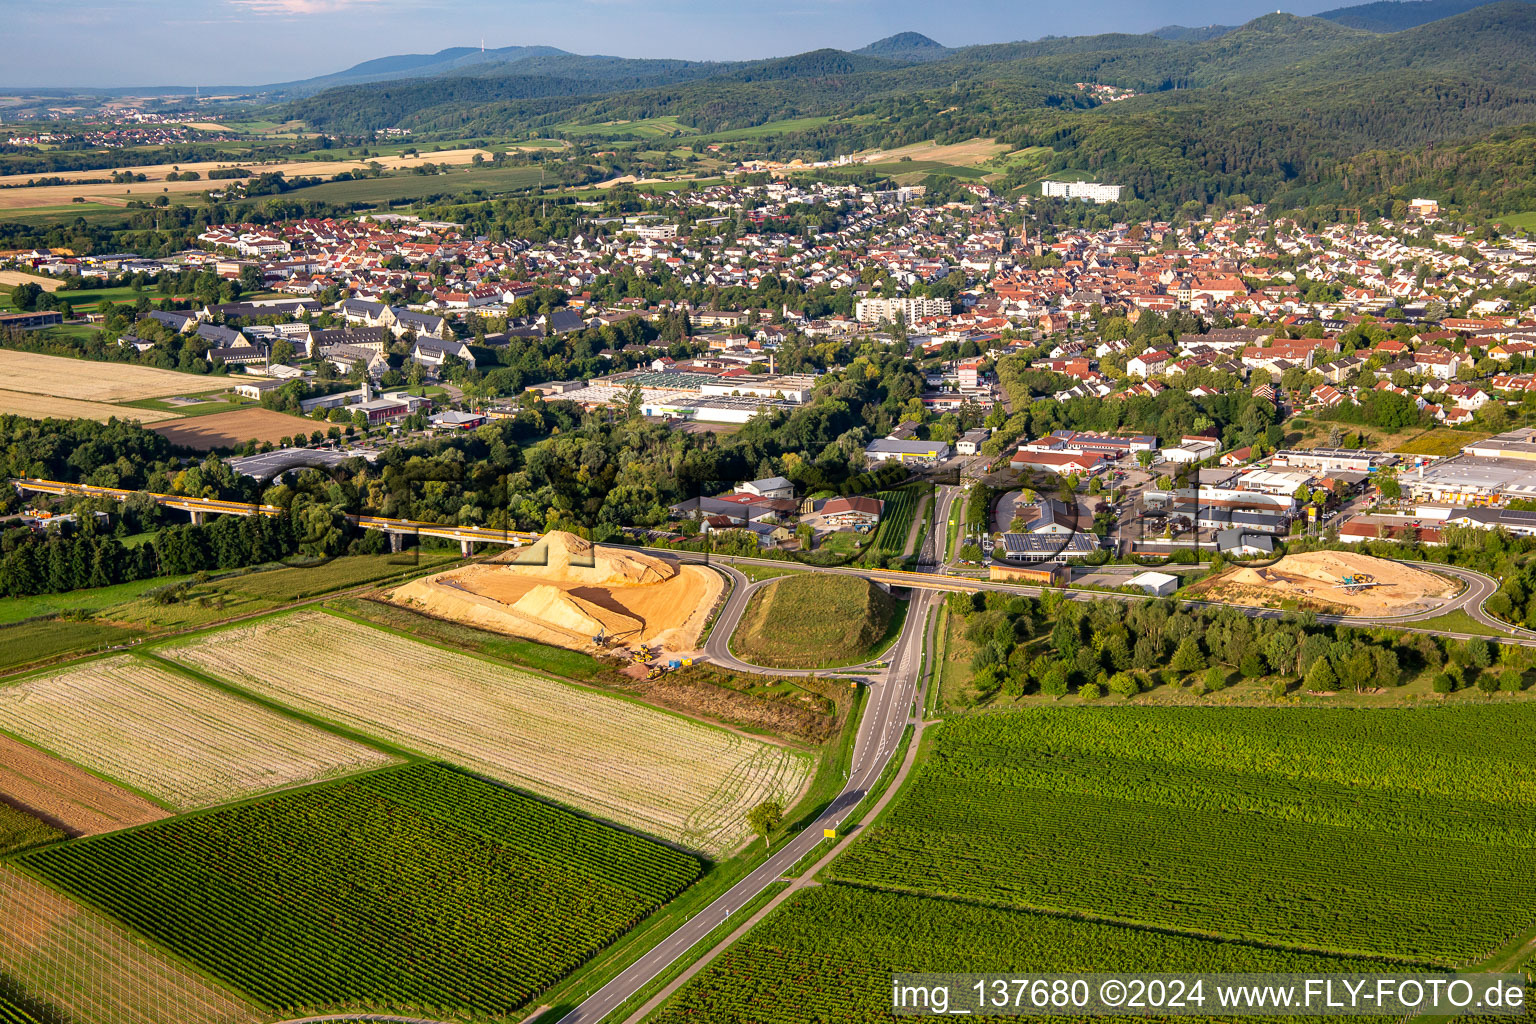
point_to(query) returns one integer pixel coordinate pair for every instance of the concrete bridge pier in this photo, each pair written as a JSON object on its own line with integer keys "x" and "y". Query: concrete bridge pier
{"x": 198, "y": 516}
{"x": 466, "y": 547}
{"x": 396, "y": 542}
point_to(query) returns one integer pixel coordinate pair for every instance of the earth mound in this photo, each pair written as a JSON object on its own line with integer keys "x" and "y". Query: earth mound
{"x": 564, "y": 610}
{"x": 571, "y": 559}
{"x": 1314, "y": 580}
{"x": 567, "y": 591}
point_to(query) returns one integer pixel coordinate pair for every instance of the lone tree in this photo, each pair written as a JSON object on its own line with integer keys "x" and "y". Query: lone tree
{"x": 765, "y": 817}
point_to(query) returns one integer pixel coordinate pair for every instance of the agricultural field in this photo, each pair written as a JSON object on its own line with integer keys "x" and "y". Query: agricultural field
{"x": 42, "y": 407}
{"x": 10, "y": 1013}
{"x": 27, "y": 643}
{"x": 421, "y": 888}
{"x": 80, "y": 966}
{"x": 177, "y": 740}
{"x": 815, "y": 620}
{"x": 300, "y": 581}
{"x": 19, "y": 830}
{"x": 826, "y": 956}
{"x": 895, "y": 521}
{"x": 233, "y": 428}
{"x": 1406, "y": 833}
{"x": 397, "y": 187}
{"x": 20, "y": 197}
{"x": 631, "y": 764}
{"x": 651, "y": 127}
{"x": 11, "y": 278}
{"x": 41, "y": 386}
{"x": 68, "y": 799}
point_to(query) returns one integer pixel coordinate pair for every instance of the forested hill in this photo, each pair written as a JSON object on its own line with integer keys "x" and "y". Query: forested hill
{"x": 455, "y": 60}
{"x": 1396, "y": 15}
{"x": 1278, "y": 109}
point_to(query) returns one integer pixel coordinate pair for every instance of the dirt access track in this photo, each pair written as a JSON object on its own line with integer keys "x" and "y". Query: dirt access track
{"x": 568, "y": 592}
{"x": 16, "y": 195}
{"x": 1312, "y": 580}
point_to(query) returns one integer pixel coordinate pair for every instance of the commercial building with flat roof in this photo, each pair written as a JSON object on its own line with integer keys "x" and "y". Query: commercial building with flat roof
{"x": 1333, "y": 460}
{"x": 1473, "y": 480}
{"x": 886, "y": 449}
{"x": 1512, "y": 444}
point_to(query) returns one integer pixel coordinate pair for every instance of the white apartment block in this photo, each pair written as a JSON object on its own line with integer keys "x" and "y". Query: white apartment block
{"x": 873, "y": 311}
{"x": 1088, "y": 190}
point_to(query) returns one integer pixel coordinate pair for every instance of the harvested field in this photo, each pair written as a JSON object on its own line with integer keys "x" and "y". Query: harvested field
{"x": 1310, "y": 580}
{"x": 567, "y": 592}
{"x": 631, "y": 764}
{"x": 66, "y": 797}
{"x": 42, "y": 407}
{"x": 228, "y": 429}
{"x": 961, "y": 154}
{"x": 91, "y": 381}
{"x": 96, "y": 971}
{"x": 183, "y": 742}
{"x": 19, "y": 196}
{"x": 11, "y": 278}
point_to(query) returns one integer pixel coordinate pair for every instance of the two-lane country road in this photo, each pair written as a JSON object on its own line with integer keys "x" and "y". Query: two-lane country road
{"x": 886, "y": 716}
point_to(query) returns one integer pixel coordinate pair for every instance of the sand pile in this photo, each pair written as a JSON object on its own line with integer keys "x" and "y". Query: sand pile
{"x": 569, "y": 592}
{"x": 564, "y": 610}
{"x": 1313, "y": 580}
{"x": 568, "y": 558}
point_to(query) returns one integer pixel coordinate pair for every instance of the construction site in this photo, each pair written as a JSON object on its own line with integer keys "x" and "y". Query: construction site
{"x": 568, "y": 592}
{"x": 1332, "y": 582}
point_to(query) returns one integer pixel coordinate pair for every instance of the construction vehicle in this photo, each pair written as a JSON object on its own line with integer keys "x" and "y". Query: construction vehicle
{"x": 1358, "y": 581}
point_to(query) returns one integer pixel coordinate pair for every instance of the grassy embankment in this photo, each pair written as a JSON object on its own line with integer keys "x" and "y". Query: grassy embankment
{"x": 817, "y": 621}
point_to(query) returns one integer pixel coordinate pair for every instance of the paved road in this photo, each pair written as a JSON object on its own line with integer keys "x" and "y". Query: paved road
{"x": 1479, "y": 587}
{"x": 931, "y": 554}
{"x": 885, "y": 717}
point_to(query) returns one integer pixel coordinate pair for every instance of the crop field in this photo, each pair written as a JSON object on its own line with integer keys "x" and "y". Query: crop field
{"x": 302, "y": 581}
{"x": 233, "y": 428}
{"x": 650, "y": 127}
{"x": 1250, "y": 824}
{"x": 42, "y": 407}
{"x": 895, "y": 520}
{"x": 19, "y": 196}
{"x": 10, "y": 1013}
{"x": 811, "y": 620}
{"x": 26, "y": 643}
{"x": 70, "y": 799}
{"x": 89, "y": 969}
{"x": 88, "y": 381}
{"x": 12, "y": 278}
{"x": 620, "y": 760}
{"x": 826, "y": 956}
{"x": 421, "y": 888}
{"x": 182, "y": 742}
{"x": 397, "y": 187}
{"x": 20, "y": 831}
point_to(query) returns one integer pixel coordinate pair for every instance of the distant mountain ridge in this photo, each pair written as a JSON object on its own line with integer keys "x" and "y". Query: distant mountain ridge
{"x": 453, "y": 60}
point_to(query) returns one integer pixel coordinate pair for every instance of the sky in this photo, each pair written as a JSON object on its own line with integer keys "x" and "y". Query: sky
{"x": 113, "y": 43}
